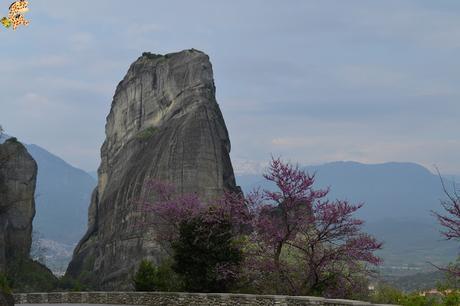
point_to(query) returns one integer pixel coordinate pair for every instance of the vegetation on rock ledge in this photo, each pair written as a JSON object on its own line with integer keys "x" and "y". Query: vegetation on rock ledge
{"x": 147, "y": 133}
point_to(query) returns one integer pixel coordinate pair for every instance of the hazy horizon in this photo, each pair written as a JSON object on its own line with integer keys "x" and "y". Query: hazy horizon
{"x": 251, "y": 167}
{"x": 312, "y": 81}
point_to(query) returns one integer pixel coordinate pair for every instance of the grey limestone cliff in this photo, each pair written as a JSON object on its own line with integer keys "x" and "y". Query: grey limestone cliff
{"x": 165, "y": 124}
{"x": 18, "y": 173}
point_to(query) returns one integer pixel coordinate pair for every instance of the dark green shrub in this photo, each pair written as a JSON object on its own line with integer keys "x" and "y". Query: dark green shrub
{"x": 152, "y": 55}
{"x": 83, "y": 283}
{"x": 12, "y": 140}
{"x": 27, "y": 275}
{"x": 156, "y": 278}
{"x": 4, "y": 284}
{"x": 166, "y": 279}
{"x": 144, "y": 280}
{"x": 200, "y": 250}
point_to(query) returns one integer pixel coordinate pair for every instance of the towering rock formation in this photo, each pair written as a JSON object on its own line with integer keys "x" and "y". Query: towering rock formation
{"x": 164, "y": 123}
{"x": 18, "y": 173}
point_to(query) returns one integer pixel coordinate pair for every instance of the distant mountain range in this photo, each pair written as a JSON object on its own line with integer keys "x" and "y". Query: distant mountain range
{"x": 389, "y": 190}
{"x": 398, "y": 200}
{"x": 62, "y": 197}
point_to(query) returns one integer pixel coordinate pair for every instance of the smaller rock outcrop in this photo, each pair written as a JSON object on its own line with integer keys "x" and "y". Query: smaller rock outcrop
{"x": 18, "y": 173}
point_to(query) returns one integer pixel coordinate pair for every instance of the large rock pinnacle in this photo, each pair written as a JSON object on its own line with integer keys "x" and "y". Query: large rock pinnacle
{"x": 165, "y": 124}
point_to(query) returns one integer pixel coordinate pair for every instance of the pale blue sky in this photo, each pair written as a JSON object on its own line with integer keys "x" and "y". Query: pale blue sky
{"x": 312, "y": 80}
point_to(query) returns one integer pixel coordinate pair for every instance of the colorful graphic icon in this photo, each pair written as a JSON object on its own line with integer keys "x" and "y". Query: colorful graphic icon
{"x": 16, "y": 15}
{"x": 5, "y": 22}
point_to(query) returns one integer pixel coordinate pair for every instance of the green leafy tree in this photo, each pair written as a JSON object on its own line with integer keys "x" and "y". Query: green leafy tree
{"x": 156, "y": 278}
{"x": 206, "y": 254}
{"x": 144, "y": 280}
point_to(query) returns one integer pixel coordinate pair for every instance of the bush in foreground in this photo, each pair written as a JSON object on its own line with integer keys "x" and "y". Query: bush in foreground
{"x": 26, "y": 275}
{"x": 4, "y": 283}
{"x": 385, "y": 294}
{"x": 203, "y": 254}
{"x": 156, "y": 278}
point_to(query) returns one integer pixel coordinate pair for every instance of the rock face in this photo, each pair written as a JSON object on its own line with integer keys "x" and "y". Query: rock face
{"x": 18, "y": 173}
{"x": 164, "y": 123}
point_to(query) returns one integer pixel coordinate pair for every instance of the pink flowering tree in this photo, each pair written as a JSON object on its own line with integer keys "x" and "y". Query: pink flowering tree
{"x": 303, "y": 243}
{"x": 170, "y": 209}
{"x": 293, "y": 240}
{"x": 450, "y": 222}
{"x": 201, "y": 237}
